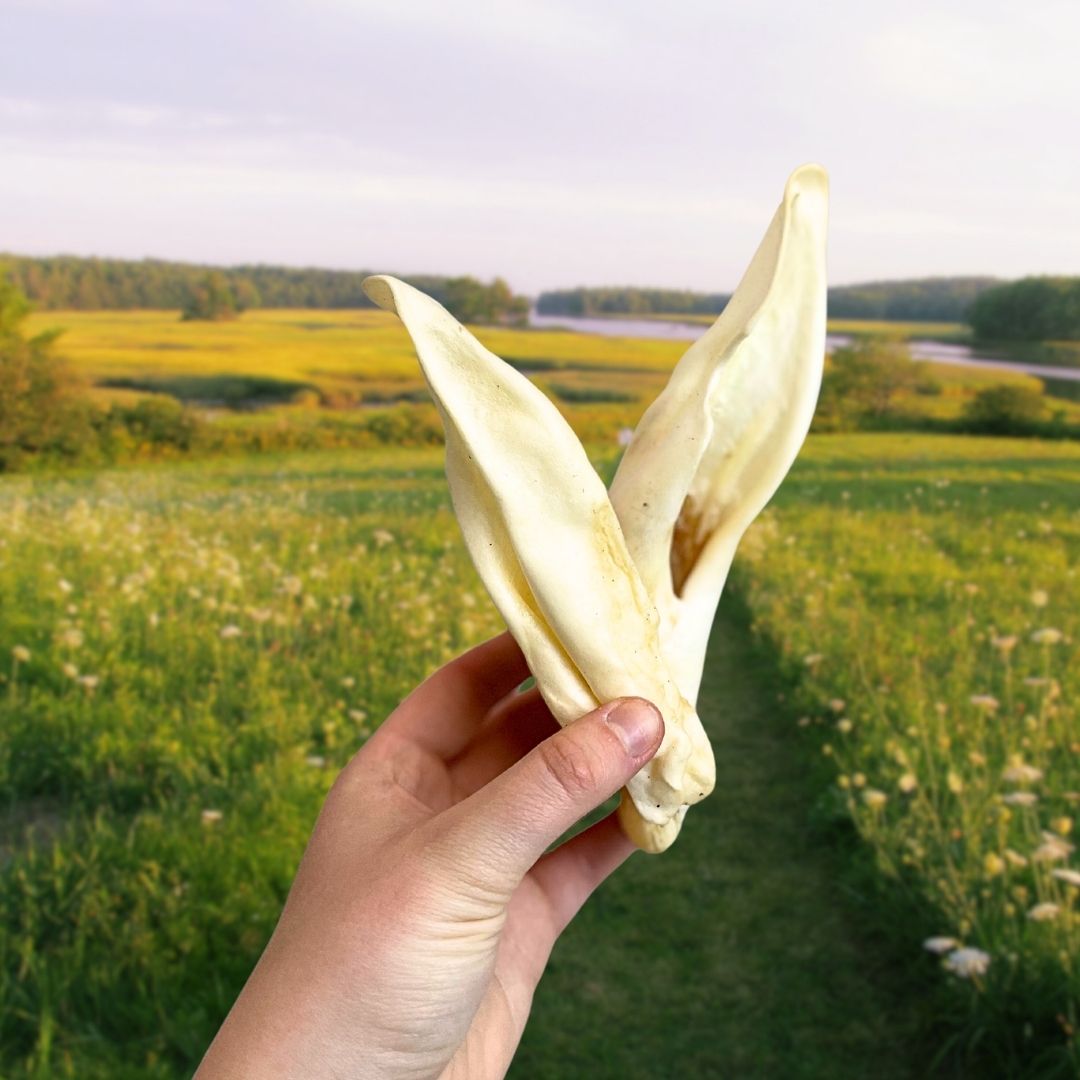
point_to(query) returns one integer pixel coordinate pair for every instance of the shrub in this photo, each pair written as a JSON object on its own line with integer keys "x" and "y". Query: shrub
{"x": 1006, "y": 410}
{"x": 861, "y": 383}
{"x": 40, "y": 416}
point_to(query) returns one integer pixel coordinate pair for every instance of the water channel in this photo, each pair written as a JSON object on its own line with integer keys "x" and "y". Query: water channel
{"x": 939, "y": 352}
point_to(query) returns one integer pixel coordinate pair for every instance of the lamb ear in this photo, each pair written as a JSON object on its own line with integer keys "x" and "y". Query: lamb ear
{"x": 544, "y": 538}
{"x": 712, "y": 449}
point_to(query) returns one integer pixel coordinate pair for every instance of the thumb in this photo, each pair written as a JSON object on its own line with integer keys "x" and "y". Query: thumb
{"x": 497, "y": 834}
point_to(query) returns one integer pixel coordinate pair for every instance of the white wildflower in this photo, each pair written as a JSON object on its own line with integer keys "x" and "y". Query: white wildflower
{"x": 1070, "y": 877}
{"x": 1020, "y": 798}
{"x": 1048, "y": 635}
{"x": 968, "y": 963}
{"x": 230, "y": 631}
{"x": 940, "y": 945}
{"x": 987, "y": 702}
{"x": 21, "y": 654}
{"x": 1040, "y": 598}
{"x": 1019, "y": 773}
{"x": 1044, "y": 912}
{"x": 211, "y": 817}
{"x": 1052, "y": 849}
{"x": 875, "y": 799}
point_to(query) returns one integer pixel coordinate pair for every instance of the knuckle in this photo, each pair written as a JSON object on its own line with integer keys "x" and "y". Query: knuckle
{"x": 572, "y": 768}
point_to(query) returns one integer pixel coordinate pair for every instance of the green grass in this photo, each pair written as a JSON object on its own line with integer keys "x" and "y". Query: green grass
{"x": 741, "y": 953}
{"x": 129, "y": 917}
{"x": 925, "y": 592}
{"x": 343, "y": 353}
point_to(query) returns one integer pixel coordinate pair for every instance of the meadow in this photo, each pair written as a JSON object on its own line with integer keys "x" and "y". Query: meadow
{"x": 299, "y": 369}
{"x": 189, "y": 652}
{"x": 192, "y": 650}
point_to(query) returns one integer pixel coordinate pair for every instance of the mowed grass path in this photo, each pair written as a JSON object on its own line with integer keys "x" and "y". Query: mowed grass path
{"x": 737, "y": 953}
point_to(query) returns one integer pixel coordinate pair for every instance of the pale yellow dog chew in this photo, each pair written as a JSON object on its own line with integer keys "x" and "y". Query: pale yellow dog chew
{"x": 713, "y": 448}
{"x": 546, "y": 542}
{"x": 603, "y": 609}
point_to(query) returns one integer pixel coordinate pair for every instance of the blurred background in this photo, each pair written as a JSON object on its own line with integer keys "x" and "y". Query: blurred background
{"x": 226, "y": 547}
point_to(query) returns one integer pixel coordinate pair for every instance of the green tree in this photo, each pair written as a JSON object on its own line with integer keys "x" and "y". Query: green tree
{"x": 38, "y": 412}
{"x": 211, "y": 300}
{"x": 1032, "y": 309}
{"x": 862, "y": 382}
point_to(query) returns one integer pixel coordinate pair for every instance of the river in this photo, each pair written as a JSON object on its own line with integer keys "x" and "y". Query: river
{"x": 938, "y": 352}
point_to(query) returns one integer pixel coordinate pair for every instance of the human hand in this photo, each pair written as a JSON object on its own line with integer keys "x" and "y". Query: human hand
{"x": 424, "y": 909}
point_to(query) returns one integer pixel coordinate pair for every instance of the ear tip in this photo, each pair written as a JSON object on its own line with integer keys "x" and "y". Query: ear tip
{"x": 379, "y": 288}
{"x": 810, "y": 178}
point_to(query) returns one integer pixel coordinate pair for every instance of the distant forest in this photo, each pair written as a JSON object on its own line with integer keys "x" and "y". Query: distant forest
{"x": 1032, "y": 309}
{"x": 943, "y": 299}
{"x": 68, "y": 282}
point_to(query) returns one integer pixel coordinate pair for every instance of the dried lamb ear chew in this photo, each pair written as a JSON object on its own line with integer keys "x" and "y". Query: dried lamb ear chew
{"x": 543, "y": 536}
{"x": 712, "y": 449}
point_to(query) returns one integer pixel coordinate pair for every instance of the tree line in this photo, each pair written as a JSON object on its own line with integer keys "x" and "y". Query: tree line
{"x": 942, "y": 299}
{"x": 629, "y": 300}
{"x": 68, "y": 282}
{"x": 1032, "y": 309}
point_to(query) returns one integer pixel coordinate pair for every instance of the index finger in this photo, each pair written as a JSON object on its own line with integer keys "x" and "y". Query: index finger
{"x": 445, "y": 711}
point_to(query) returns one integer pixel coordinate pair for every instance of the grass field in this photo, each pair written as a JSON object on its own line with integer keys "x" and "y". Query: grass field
{"x": 299, "y": 370}
{"x": 350, "y": 356}
{"x": 189, "y": 653}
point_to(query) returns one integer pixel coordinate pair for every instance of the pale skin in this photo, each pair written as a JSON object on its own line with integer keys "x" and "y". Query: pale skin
{"x": 427, "y": 903}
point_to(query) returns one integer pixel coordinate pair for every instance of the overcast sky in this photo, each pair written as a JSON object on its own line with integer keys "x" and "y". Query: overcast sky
{"x": 555, "y": 143}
